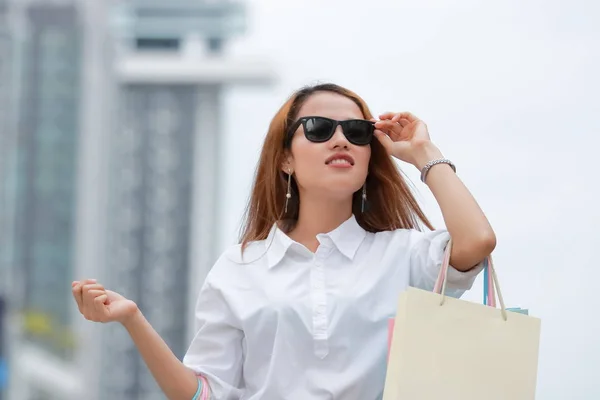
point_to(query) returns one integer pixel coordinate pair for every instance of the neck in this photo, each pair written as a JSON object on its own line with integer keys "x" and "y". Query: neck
{"x": 319, "y": 215}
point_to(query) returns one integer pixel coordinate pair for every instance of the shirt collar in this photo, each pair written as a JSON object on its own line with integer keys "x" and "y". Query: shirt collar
{"x": 347, "y": 238}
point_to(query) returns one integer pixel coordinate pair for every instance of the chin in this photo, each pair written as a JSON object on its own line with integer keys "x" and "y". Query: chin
{"x": 348, "y": 182}
{"x": 340, "y": 189}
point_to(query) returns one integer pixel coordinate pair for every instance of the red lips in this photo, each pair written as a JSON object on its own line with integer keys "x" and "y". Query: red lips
{"x": 339, "y": 156}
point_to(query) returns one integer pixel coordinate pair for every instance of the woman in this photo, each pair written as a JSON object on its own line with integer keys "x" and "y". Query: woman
{"x": 299, "y": 309}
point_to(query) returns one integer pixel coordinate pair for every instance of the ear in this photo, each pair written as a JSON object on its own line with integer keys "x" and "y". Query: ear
{"x": 287, "y": 165}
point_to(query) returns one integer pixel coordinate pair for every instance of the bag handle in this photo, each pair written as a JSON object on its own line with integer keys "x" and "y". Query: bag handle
{"x": 491, "y": 284}
{"x": 489, "y": 295}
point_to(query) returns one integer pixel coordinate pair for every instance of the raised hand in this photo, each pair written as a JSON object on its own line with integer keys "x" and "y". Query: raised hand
{"x": 97, "y": 304}
{"x": 404, "y": 136}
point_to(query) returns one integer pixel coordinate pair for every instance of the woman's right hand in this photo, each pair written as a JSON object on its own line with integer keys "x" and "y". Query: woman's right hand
{"x": 100, "y": 305}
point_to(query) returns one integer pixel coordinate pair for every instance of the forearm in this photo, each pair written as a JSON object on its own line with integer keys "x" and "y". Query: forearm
{"x": 472, "y": 236}
{"x": 175, "y": 379}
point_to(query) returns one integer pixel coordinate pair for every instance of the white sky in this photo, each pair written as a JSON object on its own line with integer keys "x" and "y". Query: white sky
{"x": 509, "y": 91}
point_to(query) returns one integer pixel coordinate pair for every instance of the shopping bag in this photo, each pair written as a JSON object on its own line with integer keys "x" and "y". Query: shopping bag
{"x": 447, "y": 348}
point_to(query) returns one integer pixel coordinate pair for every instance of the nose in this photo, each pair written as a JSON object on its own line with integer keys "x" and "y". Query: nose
{"x": 339, "y": 139}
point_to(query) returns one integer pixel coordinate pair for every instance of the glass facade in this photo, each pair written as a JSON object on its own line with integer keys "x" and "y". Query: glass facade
{"x": 46, "y": 173}
{"x": 6, "y": 134}
{"x": 149, "y": 234}
{"x": 142, "y": 218}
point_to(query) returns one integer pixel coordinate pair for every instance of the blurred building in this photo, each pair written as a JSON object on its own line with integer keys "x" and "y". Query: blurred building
{"x": 6, "y": 137}
{"x": 109, "y": 170}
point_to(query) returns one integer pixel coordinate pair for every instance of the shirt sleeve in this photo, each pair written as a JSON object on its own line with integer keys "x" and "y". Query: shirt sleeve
{"x": 216, "y": 351}
{"x": 426, "y": 256}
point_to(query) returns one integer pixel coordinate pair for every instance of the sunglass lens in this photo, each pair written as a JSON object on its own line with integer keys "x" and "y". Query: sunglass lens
{"x": 318, "y": 129}
{"x": 358, "y": 132}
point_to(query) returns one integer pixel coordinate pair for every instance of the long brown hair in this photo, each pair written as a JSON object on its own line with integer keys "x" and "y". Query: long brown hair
{"x": 391, "y": 203}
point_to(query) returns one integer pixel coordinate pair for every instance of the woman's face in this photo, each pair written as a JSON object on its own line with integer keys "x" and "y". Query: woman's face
{"x": 336, "y": 168}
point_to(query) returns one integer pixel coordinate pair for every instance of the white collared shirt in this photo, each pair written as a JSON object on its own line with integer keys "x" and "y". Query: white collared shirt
{"x": 286, "y": 323}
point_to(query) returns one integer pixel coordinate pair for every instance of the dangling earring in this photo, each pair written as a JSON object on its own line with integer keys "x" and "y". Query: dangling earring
{"x": 288, "y": 195}
{"x": 364, "y": 206}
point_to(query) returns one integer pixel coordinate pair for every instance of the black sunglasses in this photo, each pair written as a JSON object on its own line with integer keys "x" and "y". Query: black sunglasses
{"x": 321, "y": 129}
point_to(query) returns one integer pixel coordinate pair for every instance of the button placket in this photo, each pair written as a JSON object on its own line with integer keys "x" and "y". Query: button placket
{"x": 319, "y": 303}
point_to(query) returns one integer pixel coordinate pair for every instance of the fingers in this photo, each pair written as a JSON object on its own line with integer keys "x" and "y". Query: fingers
{"x": 91, "y": 299}
{"x": 77, "y": 290}
{"x": 100, "y": 304}
{"x": 385, "y": 125}
{"x": 403, "y": 122}
{"x": 387, "y": 115}
{"x": 406, "y": 115}
{"x": 401, "y": 126}
{"x": 75, "y": 287}
{"x": 392, "y": 129}
{"x": 90, "y": 293}
{"x": 396, "y": 117}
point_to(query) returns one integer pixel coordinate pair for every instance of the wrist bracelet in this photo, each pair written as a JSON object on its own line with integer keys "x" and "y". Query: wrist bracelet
{"x": 198, "y": 391}
{"x": 431, "y": 163}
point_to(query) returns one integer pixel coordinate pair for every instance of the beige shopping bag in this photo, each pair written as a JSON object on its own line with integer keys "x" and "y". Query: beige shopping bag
{"x": 447, "y": 348}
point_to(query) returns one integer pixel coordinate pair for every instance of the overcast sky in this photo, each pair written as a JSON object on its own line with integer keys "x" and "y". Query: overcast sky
{"x": 510, "y": 92}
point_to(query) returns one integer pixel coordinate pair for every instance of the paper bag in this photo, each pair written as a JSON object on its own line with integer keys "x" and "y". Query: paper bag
{"x": 447, "y": 348}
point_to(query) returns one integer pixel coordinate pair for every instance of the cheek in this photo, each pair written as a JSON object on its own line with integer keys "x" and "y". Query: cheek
{"x": 365, "y": 156}
{"x": 306, "y": 156}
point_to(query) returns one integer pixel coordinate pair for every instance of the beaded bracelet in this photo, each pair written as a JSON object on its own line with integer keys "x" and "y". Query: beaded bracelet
{"x": 198, "y": 391}
{"x": 202, "y": 393}
{"x": 431, "y": 163}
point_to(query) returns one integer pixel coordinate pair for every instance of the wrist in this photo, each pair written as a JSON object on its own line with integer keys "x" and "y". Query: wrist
{"x": 132, "y": 320}
{"x": 424, "y": 152}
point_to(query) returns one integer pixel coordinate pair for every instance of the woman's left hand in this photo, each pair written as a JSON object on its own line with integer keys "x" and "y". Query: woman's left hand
{"x": 403, "y": 135}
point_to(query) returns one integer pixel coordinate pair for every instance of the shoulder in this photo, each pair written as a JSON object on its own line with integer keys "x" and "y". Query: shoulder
{"x": 234, "y": 264}
{"x": 398, "y": 236}
{"x": 409, "y": 238}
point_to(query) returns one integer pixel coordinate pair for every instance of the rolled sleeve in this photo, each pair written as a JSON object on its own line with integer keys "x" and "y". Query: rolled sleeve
{"x": 427, "y": 254}
{"x": 216, "y": 350}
